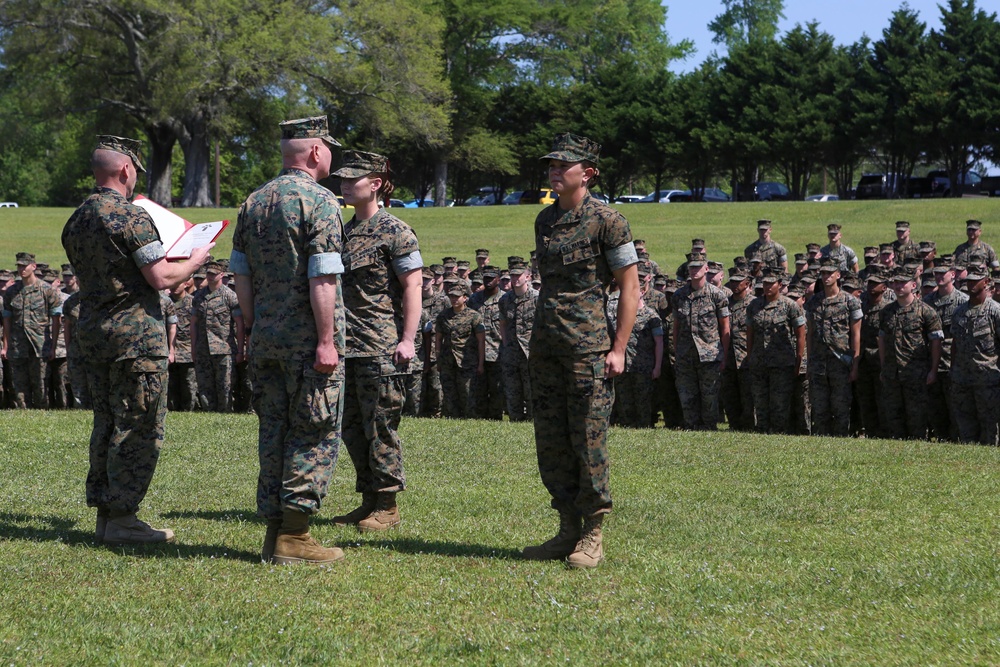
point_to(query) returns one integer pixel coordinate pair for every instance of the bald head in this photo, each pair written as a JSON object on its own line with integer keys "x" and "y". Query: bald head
{"x": 310, "y": 155}
{"x": 114, "y": 170}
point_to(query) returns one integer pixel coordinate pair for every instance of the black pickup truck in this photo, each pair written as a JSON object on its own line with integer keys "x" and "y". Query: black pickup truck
{"x": 934, "y": 184}
{"x": 938, "y": 183}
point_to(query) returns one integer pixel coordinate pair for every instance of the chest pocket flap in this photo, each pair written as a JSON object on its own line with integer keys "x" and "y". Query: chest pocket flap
{"x": 577, "y": 251}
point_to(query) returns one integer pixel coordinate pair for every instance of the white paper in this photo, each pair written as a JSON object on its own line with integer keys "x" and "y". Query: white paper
{"x": 198, "y": 236}
{"x": 170, "y": 225}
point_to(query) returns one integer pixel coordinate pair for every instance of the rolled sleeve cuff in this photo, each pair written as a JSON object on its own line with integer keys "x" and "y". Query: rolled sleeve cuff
{"x": 657, "y": 331}
{"x": 408, "y": 262}
{"x": 148, "y": 254}
{"x": 799, "y": 322}
{"x": 724, "y": 312}
{"x": 622, "y": 256}
{"x": 936, "y": 335}
{"x": 172, "y": 319}
{"x": 325, "y": 264}
{"x": 238, "y": 263}
{"x": 856, "y": 315}
{"x": 7, "y": 313}
{"x": 237, "y": 313}
{"x": 55, "y": 311}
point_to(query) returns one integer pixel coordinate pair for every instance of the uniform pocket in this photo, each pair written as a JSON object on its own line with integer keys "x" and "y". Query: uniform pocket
{"x": 577, "y": 251}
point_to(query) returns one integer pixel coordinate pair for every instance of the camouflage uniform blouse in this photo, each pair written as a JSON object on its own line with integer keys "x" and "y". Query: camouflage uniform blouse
{"x": 905, "y": 252}
{"x": 640, "y": 355}
{"x": 107, "y": 240}
{"x": 215, "y": 312}
{"x": 287, "y": 232}
{"x": 842, "y": 254}
{"x": 71, "y": 313}
{"x": 697, "y": 314}
{"x": 870, "y": 324}
{"x": 771, "y": 254}
{"x": 831, "y": 320}
{"x": 30, "y": 309}
{"x": 376, "y": 251}
{"x": 774, "y": 324}
{"x": 489, "y": 309}
{"x": 182, "y": 341}
{"x": 981, "y": 253}
{"x": 517, "y": 317}
{"x": 975, "y": 344}
{"x": 945, "y": 307}
{"x": 738, "y": 328}
{"x": 458, "y": 336}
{"x": 578, "y": 251}
{"x": 907, "y": 332}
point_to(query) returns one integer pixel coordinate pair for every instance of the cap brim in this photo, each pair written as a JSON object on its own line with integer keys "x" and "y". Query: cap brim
{"x": 565, "y": 156}
{"x": 330, "y": 140}
{"x": 351, "y": 172}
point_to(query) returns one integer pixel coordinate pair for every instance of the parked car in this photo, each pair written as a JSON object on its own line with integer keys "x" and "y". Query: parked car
{"x": 512, "y": 198}
{"x": 397, "y": 203}
{"x": 8, "y": 204}
{"x": 823, "y": 198}
{"x": 878, "y": 186}
{"x": 629, "y": 199}
{"x": 973, "y": 183}
{"x": 715, "y": 195}
{"x": 659, "y": 196}
{"x": 934, "y": 184}
{"x": 419, "y": 203}
{"x": 487, "y": 199}
{"x": 543, "y": 196}
{"x": 771, "y": 191}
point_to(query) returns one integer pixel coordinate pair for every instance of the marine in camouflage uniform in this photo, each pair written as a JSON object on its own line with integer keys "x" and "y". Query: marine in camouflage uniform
{"x": 57, "y": 380}
{"x": 116, "y": 252}
{"x": 944, "y": 300}
{"x": 30, "y": 305}
{"x": 643, "y": 362}
{"x": 903, "y": 248}
{"x": 183, "y": 390}
{"x": 846, "y": 258}
{"x": 461, "y": 343}
{"x": 217, "y": 340}
{"x": 833, "y": 341}
{"x": 701, "y": 344}
{"x": 975, "y": 251}
{"x": 432, "y": 395}
{"x": 517, "y": 319}
{"x": 975, "y": 347}
{"x": 488, "y": 398}
{"x": 414, "y": 382}
{"x": 868, "y": 388}
{"x": 770, "y": 253}
{"x": 736, "y": 390}
{"x": 74, "y": 361}
{"x": 776, "y": 341}
{"x": 382, "y": 296}
{"x": 910, "y": 348}
{"x": 287, "y": 261}
{"x": 581, "y": 245}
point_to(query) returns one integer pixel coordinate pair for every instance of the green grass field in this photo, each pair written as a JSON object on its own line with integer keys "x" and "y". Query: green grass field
{"x": 723, "y": 549}
{"x": 667, "y": 228}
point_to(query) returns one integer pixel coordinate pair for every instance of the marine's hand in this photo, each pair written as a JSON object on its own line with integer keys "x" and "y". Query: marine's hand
{"x": 326, "y": 358}
{"x": 200, "y": 255}
{"x": 614, "y": 364}
{"x": 404, "y": 352}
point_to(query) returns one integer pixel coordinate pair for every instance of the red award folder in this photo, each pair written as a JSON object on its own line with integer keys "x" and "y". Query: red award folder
{"x": 179, "y": 237}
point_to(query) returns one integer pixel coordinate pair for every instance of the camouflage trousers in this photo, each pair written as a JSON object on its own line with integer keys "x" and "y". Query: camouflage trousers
{"x": 215, "y": 381}
{"x": 801, "y": 419}
{"x": 299, "y": 413}
{"x": 242, "y": 387}
{"x": 487, "y": 392}
{"x": 413, "y": 390}
{"x": 432, "y": 395}
{"x": 773, "y": 390}
{"x": 942, "y": 420}
{"x": 977, "y": 411}
{"x": 830, "y": 396}
{"x": 868, "y": 391}
{"x": 666, "y": 400}
{"x": 736, "y": 394}
{"x": 698, "y": 385}
{"x": 183, "y": 390}
{"x": 906, "y": 403}
{"x": 456, "y": 388}
{"x": 130, "y": 406}
{"x": 58, "y": 383}
{"x": 634, "y": 399}
{"x": 571, "y": 402}
{"x": 28, "y": 375}
{"x": 373, "y": 404}
{"x": 78, "y": 382}
{"x": 517, "y": 384}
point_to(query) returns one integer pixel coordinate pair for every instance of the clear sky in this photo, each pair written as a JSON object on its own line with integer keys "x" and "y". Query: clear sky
{"x": 846, "y": 20}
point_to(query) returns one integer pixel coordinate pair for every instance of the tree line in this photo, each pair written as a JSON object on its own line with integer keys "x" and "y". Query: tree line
{"x": 466, "y": 93}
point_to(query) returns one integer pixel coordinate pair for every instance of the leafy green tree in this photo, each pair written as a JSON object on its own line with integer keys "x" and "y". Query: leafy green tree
{"x": 747, "y": 21}
{"x": 844, "y": 147}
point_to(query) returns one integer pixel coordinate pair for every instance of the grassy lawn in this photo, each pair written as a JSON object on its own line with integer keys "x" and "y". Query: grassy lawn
{"x": 667, "y": 228}
{"x": 723, "y": 549}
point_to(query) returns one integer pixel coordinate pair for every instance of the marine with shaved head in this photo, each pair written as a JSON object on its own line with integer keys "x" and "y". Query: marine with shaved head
{"x": 121, "y": 264}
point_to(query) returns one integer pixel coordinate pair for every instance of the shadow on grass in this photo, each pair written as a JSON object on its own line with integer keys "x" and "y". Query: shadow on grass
{"x": 217, "y": 515}
{"x": 453, "y": 549}
{"x": 60, "y": 529}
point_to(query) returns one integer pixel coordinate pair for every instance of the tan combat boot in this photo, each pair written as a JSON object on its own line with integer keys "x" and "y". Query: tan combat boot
{"x": 562, "y": 544}
{"x": 589, "y": 551}
{"x": 385, "y": 516}
{"x": 130, "y": 530}
{"x": 369, "y": 499}
{"x": 270, "y": 537}
{"x": 295, "y": 545}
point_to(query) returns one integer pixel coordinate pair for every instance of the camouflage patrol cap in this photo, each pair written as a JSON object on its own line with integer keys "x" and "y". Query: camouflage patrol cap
{"x": 464, "y": 264}
{"x": 871, "y": 251}
{"x": 5, "y": 275}
{"x": 851, "y": 284}
{"x": 427, "y": 273}
{"x": 504, "y": 274}
{"x": 642, "y": 254}
{"x": 199, "y": 272}
{"x": 644, "y": 269}
{"x": 772, "y": 275}
{"x": 514, "y": 259}
{"x": 449, "y": 262}
{"x": 763, "y": 224}
{"x": 67, "y": 270}
{"x": 756, "y": 259}
{"x": 829, "y": 265}
{"x": 212, "y": 267}
{"x": 902, "y": 276}
{"x": 129, "y": 147}
{"x": 927, "y": 280}
{"x": 812, "y": 247}
{"x": 714, "y": 267}
{"x": 807, "y": 280}
{"x": 25, "y": 258}
{"x": 489, "y": 272}
{"x": 438, "y": 269}
{"x": 572, "y": 148}
{"x": 672, "y": 286}
{"x": 796, "y": 292}
{"x": 977, "y": 272}
{"x": 697, "y": 243}
{"x": 41, "y": 266}
{"x": 314, "y": 127}
{"x": 973, "y": 224}
{"x": 359, "y": 163}
{"x": 741, "y": 262}
{"x": 482, "y": 252}
{"x": 902, "y": 225}
{"x": 927, "y": 246}
{"x": 876, "y": 274}
{"x": 517, "y": 267}
{"x": 660, "y": 281}
{"x": 942, "y": 264}
{"x": 50, "y": 275}
{"x": 833, "y": 227}
{"x": 800, "y": 258}
{"x": 912, "y": 264}
{"x": 884, "y": 248}
{"x": 476, "y": 277}
{"x": 456, "y": 288}
{"x": 696, "y": 259}
{"x": 738, "y": 274}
